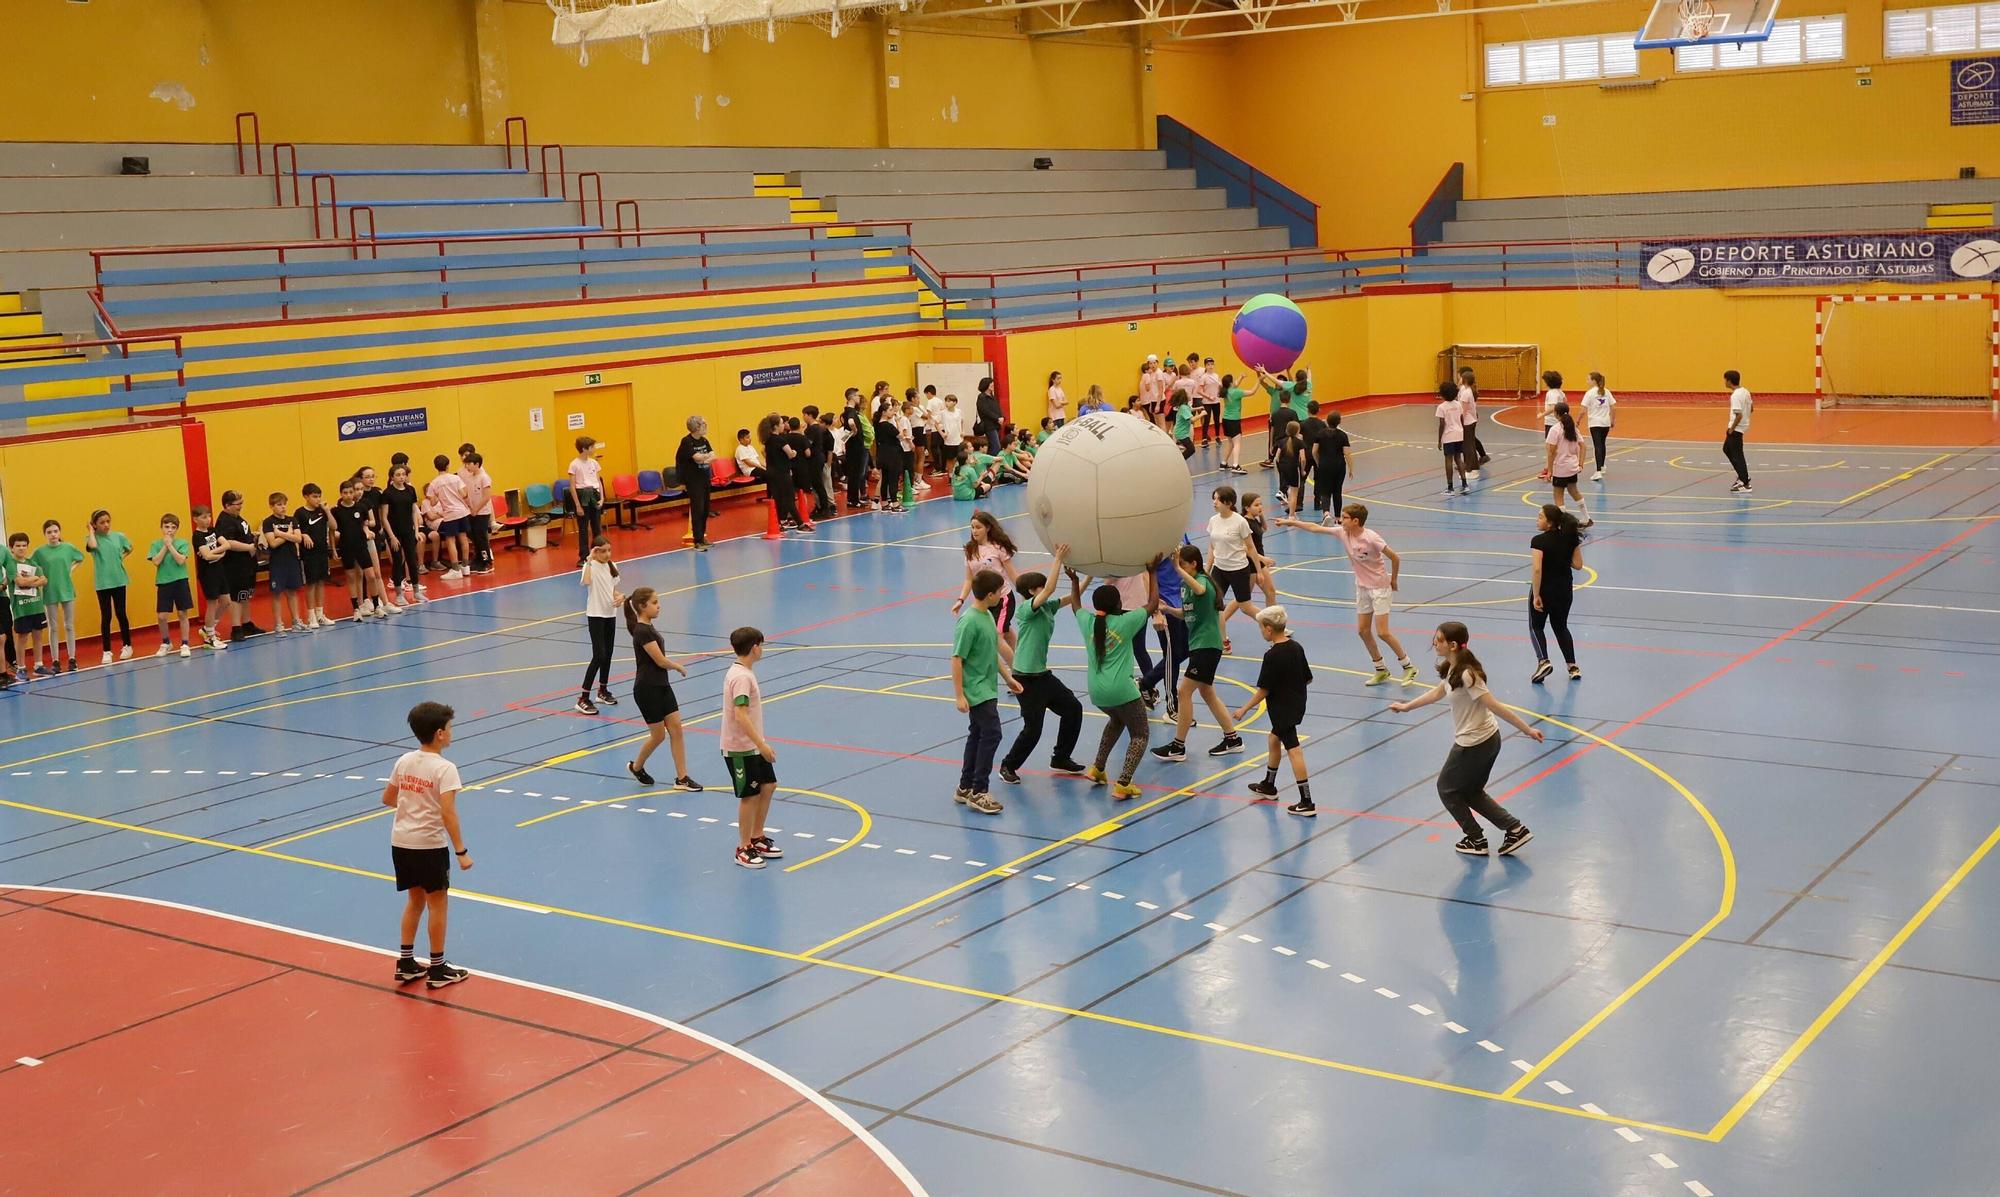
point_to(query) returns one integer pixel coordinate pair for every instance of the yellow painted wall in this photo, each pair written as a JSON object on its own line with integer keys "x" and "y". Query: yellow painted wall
{"x": 178, "y": 70}
{"x": 136, "y": 475}
{"x": 978, "y": 83}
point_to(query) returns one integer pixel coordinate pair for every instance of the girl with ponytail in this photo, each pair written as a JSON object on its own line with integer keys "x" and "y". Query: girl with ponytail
{"x": 653, "y": 692}
{"x": 1475, "y": 719}
{"x": 1109, "y": 631}
{"x": 1565, "y": 460}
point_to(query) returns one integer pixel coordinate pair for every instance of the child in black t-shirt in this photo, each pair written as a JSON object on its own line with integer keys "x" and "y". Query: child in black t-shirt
{"x": 1281, "y": 687}
{"x": 282, "y": 540}
{"x": 239, "y": 563}
{"x": 210, "y": 573}
{"x": 315, "y": 524}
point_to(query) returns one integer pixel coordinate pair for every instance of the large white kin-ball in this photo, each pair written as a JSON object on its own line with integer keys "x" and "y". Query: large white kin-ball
{"x": 1115, "y": 489}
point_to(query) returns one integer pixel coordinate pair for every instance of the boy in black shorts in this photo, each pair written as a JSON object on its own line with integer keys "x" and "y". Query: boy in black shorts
{"x": 354, "y": 537}
{"x": 315, "y": 522}
{"x": 423, "y": 790}
{"x": 209, "y": 571}
{"x": 239, "y": 563}
{"x": 282, "y": 539}
{"x": 750, "y": 757}
{"x": 1281, "y": 687}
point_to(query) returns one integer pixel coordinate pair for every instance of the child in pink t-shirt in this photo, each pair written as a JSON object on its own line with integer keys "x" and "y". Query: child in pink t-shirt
{"x": 1565, "y": 460}
{"x": 750, "y": 757}
{"x": 586, "y": 484}
{"x": 1451, "y": 437}
{"x": 1374, "y": 585}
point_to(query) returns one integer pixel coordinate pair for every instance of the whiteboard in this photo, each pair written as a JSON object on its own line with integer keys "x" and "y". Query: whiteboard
{"x": 954, "y": 378}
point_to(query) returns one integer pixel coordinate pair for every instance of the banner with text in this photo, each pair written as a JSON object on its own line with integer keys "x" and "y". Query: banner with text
{"x": 1821, "y": 261}
{"x": 772, "y": 376}
{"x": 383, "y": 423}
{"x": 1975, "y": 91}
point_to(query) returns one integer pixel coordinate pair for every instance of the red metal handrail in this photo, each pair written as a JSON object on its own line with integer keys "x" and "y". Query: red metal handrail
{"x": 278, "y": 172}
{"x": 257, "y": 142}
{"x": 618, "y": 217}
{"x": 354, "y": 232}
{"x": 332, "y": 206}
{"x": 507, "y": 132}
{"x": 562, "y": 171}
{"x": 583, "y": 198}
{"x": 124, "y": 345}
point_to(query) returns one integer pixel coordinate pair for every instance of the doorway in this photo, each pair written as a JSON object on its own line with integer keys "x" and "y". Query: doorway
{"x": 602, "y": 412}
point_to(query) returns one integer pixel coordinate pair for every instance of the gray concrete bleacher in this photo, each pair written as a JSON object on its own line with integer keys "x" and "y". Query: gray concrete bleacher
{"x": 1775, "y": 210}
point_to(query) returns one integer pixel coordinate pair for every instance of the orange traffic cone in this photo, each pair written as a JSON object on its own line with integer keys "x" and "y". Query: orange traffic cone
{"x": 772, "y": 531}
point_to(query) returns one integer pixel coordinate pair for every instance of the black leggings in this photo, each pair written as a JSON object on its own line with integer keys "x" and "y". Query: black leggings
{"x": 1598, "y": 437}
{"x": 1211, "y": 422}
{"x": 1473, "y": 446}
{"x": 603, "y": 635}
{"x": 697, "y": 497}
{"x": 1462, "y": 787}
{"x": 1555, "y": 611}
{"x": 111, "y": 601}
{"x": 1327, "y": 485}
{"x": 589, "y": 526}
{"x": 404, "y": 559}
{"x": 857, "y": 472}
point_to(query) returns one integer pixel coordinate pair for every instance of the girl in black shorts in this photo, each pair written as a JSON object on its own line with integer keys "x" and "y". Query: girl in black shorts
{"x": 653, "y": 693}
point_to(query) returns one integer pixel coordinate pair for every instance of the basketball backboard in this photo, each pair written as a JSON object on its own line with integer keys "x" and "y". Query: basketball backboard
{"x": 1675, "y": 23}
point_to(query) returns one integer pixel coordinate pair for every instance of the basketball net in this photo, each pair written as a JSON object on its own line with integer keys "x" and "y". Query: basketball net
{"x": 1697, "y": 19}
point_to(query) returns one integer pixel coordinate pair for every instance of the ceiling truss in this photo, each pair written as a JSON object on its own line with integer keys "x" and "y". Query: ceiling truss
{"x": 1247, "y": 18}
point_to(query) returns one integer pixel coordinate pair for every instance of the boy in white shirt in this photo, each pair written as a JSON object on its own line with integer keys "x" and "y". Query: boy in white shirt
{"x": 951, "y": 428}
{"x": 423, "y": 790}
{"x": 940, "y": 457}
{"x": 1598, "y": 403}
{"x": 748, "y": 462}
{"x": 1740, "y": 404}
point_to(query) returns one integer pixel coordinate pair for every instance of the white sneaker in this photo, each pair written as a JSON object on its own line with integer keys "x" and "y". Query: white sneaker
{"x": 125, "y": 654}
{"x": 423, "y": 591}
{"x": 1598, "y": 476}
{"x": 392, "y": 609}
{"x": 165, "y": 648}
{"x": 312, "y": 623}
{"x": 106, "y": 660}
{"x": 361, "y": 613}
{"x": 186, "y": 651}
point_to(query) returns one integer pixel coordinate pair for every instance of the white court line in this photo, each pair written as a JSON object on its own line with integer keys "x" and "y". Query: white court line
{"x": 1661, "y": 1159}
{"x": 1628, "y": 1134}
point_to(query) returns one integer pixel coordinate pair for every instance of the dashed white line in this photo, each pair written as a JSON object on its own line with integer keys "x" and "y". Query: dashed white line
{"x": 354, "y": 777}
{"x": 1043, "y": 877}
{"x": 87, "y": 772}
{"x": 1181, "y": 915}
{"x": 1388, "y": 993}
{"x": 1663, "y": 1161}
{"x": 1698, "y": 1189}
{"x": 1319, "y": 964}
{"x": 1146, "y": 906}
{"x": 135, "y": 771}
{"x": 28, "y": 1062}
{"x": 1108, "y": 894}
{"x": 976, "y": 864}
{"x": 1591, "y": 1107}
{"x": 1491, "y": 1046}
{"x": 1454, "y": 1028}
{"x": 1282, "y": 950}
{"x": 906, "y": 851}
{"x": 219, "y": 772}
{"x": 531, "y": 793}
{"x": 1628, "y": 1134}
{"x": 935, "y": 855}
{"x": 1351, "y": 977}
{"x": 1559, "y": 1087}
{"x": 1249, "y": 938}
{"x": 1523, "y": 1065}
{"x": 707, "y": 819}
{"x": 1426, "y": 1011}
{"x": 618, "y": 806}
{"x": 871, "y": 845}
{"x": 1217, "y": 927}
{"x": 503, "y": 791}
{"x": 676, "y": 814}
{"x": 647, "y": 810}
{"x": 802, "y": 835}
{"x": 834, "y": 839}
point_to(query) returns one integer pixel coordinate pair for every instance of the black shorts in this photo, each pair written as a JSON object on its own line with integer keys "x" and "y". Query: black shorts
{"x": 1201, "y": 665}
{"x": 1561, "y": 484}
{"x": 316, "y": 566}
{"x": 357, "y": 557}
{"x": 1287, "y": 733}
{"x": 173, "y": 596}
{"x": 214, "y": 583}
{"x": 1288, "y": 473}
{"x": 1453, "y": 448}
{"x": 24, "y": 624}
{"x": 656, "y": 703}
{"x": 1003, "y": 613}
{"x": 1187, "y": 447}
{"x": 748, "y": 772}
{"x": 457, "y": 527}
{"x": 1231, "y": 427}
{"x": 287, "y": 574}
{"x": 422, "y": 868}
{"x": 1234, "y": 582}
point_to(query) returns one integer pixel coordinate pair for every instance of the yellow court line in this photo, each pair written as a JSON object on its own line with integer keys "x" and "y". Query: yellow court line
{"x": 1905, "y": 476}
{"x": 885, "y": 975}
{"x": 1798, "y": 1047}
{"x": 867, "y": 825}
{"x": 1014, "y": 865}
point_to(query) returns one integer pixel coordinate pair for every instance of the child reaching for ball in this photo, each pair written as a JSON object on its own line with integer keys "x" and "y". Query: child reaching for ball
{"x": 1281, "y": 687}
{"x": 1374, "y": 587}
{"x": 1041, "y": 690}
{"x": 1229, "y": 558}
{"x": 1108, "y": 634}
{"x": 1204, "y": 653}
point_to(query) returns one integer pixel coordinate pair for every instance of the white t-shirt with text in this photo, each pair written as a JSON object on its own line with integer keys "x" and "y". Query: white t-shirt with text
{"x": 422, "y": 779}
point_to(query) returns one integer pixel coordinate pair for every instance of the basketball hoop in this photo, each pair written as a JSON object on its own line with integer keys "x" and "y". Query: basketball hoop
{"x": 1697, "y": 19}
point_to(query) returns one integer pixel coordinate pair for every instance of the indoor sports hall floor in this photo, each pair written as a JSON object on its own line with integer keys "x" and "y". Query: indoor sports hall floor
{"x": 1748, "y": 952}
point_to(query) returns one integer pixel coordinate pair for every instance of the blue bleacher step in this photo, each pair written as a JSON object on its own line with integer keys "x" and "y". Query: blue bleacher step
{"x": 451, "y": 202}
{"x": 406, "y": 170}
{"x": 456, "y": 234}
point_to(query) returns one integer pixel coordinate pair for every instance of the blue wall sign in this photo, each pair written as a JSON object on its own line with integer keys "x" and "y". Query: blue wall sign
{"x": 772, "y": 376}
{"x": 1975, "y": 91}
{"x": 1824, "y": 260}
{"x": 383, "y": 423}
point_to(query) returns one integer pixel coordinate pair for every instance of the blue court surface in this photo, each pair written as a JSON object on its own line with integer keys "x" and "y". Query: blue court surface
{"x": 1743, "y": 955}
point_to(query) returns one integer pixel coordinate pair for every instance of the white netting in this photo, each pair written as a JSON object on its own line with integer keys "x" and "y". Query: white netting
{"x": 1499, "y": 370}
{"x": 1697, "y": 19}
{"x": 638, "y": 23}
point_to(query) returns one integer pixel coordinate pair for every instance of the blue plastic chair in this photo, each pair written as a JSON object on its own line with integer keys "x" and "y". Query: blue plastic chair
{"x": 540, "y": 499}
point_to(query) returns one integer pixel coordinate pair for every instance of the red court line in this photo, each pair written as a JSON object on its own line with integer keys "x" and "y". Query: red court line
{"x": 1751, "y": 655}
{"x": 163, "y": 1065}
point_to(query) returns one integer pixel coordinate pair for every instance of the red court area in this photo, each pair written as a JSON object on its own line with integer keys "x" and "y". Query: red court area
{"x": 155, "y": 1049}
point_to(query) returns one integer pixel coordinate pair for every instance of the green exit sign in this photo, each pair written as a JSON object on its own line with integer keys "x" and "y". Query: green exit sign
{"x": 593, "y": 380}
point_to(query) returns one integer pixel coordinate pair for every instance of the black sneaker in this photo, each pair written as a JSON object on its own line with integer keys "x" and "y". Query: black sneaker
{"x": 443, "y": 973}
{"x": 1230, "y": 746}
{"x": 1264, "y": 789}
{"x": 687, "y": 785}
{"x": 585, "y": 707}
{"x": 1066, "y": 766}
{"x": 1471, "y": 845}
{"x": 767, "y": 847}
{"x": 1737, "y": 486}
{"x": 1542, "y": 670}
{"x": 408, "y": 969}
{"x": 1172, "y": 750}
{"x": 640, "y": 775}
{"x": 1306, "y": 809}
{"x": 1576, "y": 673}
{"x": 604, "y": 696}
{"x": 1512, "y": 841}
{"x": 1008, "y": 775}
{"x": 1150, "y": 696}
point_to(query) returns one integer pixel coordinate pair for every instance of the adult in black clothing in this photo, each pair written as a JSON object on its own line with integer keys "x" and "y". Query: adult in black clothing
{"x": 889, "y": 455}
{"x": 1333, "y": 454}
{"x": 399, "y": 512}
{"x": 805, "y": 463}
{"x": 855, "y": 455}
{"x": 691, "y": 461}
{"x": 239, "y": 561}
{"x": 1557, "y": 549}
{"x": 778, "y": 468}
{"x": 987, "y": 410}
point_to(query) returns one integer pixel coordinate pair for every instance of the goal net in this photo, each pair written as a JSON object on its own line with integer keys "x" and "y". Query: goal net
{"x": 1498, "y": 370}
{"x": 1889, "y": 350}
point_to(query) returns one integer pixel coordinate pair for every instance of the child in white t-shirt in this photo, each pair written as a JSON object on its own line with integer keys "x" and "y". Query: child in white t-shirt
{"x": 586, "y": 485}
{"x": 1451, "y": 437}
{"x": 1598, "y": 415}
{"x": 1740, "y": 405}
{"x": 423, "y": 790}
{"x": 602, "y": 600}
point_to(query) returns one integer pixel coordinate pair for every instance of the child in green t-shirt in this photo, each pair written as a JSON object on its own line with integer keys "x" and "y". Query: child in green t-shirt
{"x": 108, "y": 551}
{"x": 169, "y": 555}
{"x": 26, "y": 602}
{"x": 58, "y": 560}
{"x": 968, "y": 479}
{"x": 1184, "y": 423}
